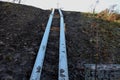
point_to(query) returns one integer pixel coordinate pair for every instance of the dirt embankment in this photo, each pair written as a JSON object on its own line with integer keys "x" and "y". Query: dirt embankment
{"x": 20, "y": 36}
{"x": 88, "y": 40}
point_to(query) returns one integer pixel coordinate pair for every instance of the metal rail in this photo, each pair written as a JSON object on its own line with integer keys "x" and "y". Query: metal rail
{"x": 63, "y": 68}
{"x": 37, "y": 69}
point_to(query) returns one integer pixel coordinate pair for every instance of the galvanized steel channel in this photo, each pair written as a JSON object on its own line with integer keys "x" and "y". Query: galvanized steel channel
{"x": 37, "y": 69}
{"x": 63, "y": 68}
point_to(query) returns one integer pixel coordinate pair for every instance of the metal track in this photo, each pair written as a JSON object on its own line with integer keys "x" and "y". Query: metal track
{"x": 37, "y": 69}
{"x": 63, "y": 69}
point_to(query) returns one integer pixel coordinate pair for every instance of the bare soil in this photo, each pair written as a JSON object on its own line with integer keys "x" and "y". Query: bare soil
{"x": 21, "y": 31}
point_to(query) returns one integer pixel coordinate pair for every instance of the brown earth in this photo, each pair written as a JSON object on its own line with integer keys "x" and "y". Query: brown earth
{"x": 88, "y": 40}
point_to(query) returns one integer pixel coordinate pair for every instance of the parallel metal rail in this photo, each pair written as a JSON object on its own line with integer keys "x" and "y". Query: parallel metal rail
{"x": 63, "y": 69}
{"x": 37, "y": 69}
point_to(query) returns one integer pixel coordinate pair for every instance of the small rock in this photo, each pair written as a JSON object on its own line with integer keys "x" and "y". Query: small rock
{"x": 23, "y": 63}
{"x": 1, "y": 57}
{"x": 2, "y": 43}
{"x": 7, "y": 77}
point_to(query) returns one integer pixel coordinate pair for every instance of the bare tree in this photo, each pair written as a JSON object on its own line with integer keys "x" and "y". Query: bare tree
{"x": 17, "y": 1}
{"x": 14, "y": 1}
{"x": 97, "y": 1}
{"x": 112, "y": 8}
{"x": 58, "y": 4}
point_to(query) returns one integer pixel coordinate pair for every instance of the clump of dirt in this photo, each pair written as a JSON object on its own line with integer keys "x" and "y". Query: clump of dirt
{"x": 88, "y": 40}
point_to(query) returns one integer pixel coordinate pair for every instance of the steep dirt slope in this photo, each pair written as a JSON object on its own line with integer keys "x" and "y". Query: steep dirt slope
{"x": 20, "y": 36}
{"x": 88, "y": 39}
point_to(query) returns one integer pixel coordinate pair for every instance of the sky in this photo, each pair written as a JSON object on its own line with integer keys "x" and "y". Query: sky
{"x": 72, "y": 5}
